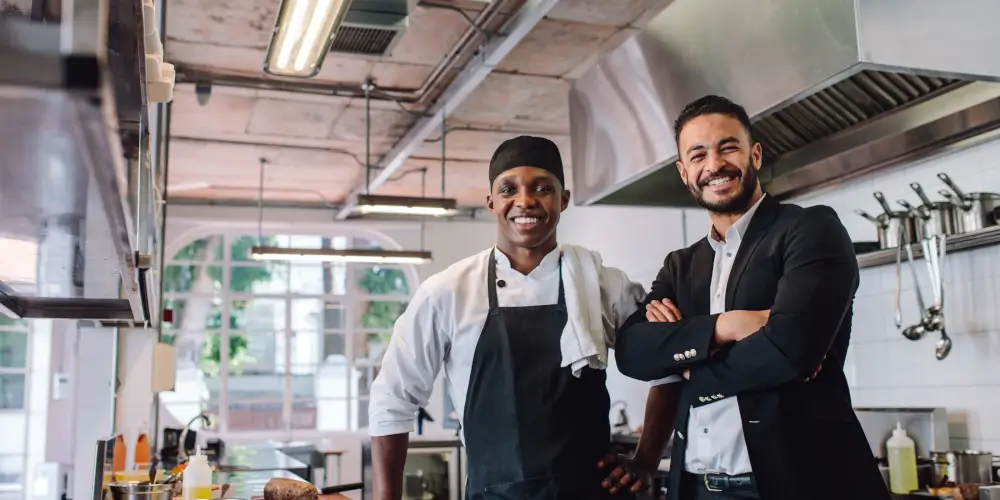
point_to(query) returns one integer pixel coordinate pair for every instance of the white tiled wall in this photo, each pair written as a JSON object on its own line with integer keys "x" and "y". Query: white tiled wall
{"x": 888, "y": 370}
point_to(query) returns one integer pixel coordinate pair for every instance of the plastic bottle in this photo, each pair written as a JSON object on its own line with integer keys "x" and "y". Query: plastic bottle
{"x": 902, "y": 462}
{"x": 197, "y": 478}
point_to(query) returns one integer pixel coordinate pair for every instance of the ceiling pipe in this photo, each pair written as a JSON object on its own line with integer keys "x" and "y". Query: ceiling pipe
{"x": 520, "y": 24}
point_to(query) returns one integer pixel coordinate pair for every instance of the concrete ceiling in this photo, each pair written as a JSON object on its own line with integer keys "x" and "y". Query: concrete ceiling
{"x": 314, "y": 144}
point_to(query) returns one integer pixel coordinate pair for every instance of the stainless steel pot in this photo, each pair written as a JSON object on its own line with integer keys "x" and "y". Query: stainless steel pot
{"x": 975, "y": 210}
{"x": 140, "y": 491}
{"x": 889, "y": 223}
{"x": 938, "y": 216}
{"x": 962, "y": 467}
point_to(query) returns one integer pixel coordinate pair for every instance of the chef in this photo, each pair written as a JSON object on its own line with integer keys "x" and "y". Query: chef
{"x": 522, "y": 330}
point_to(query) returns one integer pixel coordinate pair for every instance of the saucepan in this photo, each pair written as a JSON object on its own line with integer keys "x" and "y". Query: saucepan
{"x": 975, "y": 210}
{"x": 889, "y": 223}
{"x": 960, "y": 467}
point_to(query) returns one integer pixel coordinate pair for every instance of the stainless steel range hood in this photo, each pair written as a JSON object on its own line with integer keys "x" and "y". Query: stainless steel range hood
{"x": 836, "y": 89}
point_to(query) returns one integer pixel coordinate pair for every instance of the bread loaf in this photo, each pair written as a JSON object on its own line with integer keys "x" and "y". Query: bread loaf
{"x": 289, "y": 489}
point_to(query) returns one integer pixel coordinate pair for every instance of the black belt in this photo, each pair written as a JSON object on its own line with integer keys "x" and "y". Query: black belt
{"x": 723, "y": 482}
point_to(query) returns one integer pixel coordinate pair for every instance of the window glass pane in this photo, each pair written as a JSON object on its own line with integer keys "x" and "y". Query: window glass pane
{"x": 11, "y": 475}
{"x": 194, "y": 314}
{"x": 256, "y": 380}
{"x": 328, "y": 278}
{"x": 257, "y": 315}
{"x": 13, "y": 349}
{"x": 197, "y": 350}
{"x": 382, "y": 280}
{"x": 317, "y": 315}
{"x": 256, "y": 415}
{"x": 314, "y": 386}
{"x": 264, "y": 277}
{"x": 204, "y": 249}
{"x": 369, "y": 347}
{"x": 7, "y": 323}
{"x": 380, "y": 314}
{"x": 327, "y": 415}
{"x": 12, "y": 391}
{"x": 194, "y": 279}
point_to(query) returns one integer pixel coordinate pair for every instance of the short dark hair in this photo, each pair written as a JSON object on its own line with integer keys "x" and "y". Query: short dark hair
{"x": 708, "y": 105}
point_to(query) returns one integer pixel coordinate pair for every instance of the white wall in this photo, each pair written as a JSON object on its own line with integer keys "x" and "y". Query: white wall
{"x": 888, "y": 370}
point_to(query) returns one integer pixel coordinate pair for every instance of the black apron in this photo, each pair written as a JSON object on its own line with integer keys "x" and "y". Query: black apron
{"x": 533, "y": 431}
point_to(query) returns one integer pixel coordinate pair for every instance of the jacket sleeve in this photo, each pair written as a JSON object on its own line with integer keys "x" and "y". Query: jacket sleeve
{"x": 652, "y": 350}
{"x": 814, "y": 295}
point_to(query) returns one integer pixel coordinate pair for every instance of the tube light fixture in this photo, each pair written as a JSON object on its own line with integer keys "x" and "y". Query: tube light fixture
{"x": 366, "y": 256}
{"x": 406, "y": 205}
{"x": 302, "y": 35}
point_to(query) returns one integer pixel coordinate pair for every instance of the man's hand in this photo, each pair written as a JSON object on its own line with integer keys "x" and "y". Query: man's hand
{"x": 627, "y": 474}
{"x": 662, "y": 311}
{"x": 734, "y": 326}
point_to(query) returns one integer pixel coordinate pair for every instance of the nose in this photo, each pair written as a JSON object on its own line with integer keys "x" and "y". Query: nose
{"x": 525, "y": 198}
{"x": 716, "y": 161}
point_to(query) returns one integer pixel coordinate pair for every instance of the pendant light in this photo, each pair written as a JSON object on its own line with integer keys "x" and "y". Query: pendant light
{"x": 356, "y": 255}
{"x": 402, "y": 205}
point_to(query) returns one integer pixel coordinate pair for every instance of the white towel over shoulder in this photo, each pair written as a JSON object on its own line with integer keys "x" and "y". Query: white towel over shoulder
{"x": 584, "y": 340}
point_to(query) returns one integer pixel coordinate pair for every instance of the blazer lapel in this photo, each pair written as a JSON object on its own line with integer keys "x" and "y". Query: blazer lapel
{"x": 701, "y": 278}
{"x": 758, "y": 227}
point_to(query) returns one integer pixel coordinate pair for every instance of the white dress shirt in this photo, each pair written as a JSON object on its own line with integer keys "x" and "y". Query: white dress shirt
{"x": 442, "y": 324}
{"x": 715, "y": 441}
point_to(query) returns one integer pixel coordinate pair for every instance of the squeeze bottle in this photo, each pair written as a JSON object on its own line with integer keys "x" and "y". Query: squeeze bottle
{"x": 197, "y": 478}
{"x": 902, "y": 462}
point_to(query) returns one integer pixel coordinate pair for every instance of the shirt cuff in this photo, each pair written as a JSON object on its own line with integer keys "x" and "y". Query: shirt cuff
{"x": 664, "y": 381}
{"x": 390, "y": 428}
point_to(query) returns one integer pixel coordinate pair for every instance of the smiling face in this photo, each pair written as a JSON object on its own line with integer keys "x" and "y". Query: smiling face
{"x": 527, "y": 202}
{"x": 719, "y": 164}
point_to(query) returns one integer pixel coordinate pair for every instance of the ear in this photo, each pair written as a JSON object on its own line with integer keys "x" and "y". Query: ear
{"x": 681, "y": 170}
{"x": 489, "y": 202}
{"x": 565, "y": 200}
{"x": 757, "y": 155}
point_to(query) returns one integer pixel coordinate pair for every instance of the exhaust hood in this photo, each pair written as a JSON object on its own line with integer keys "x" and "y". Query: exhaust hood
{"x": 835, "y": 89}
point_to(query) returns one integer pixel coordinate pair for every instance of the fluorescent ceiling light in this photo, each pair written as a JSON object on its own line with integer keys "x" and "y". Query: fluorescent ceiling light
{"x": 367, "y": 256}
{"x": 406, "y": 205}
{"x": 188, "y": 186}
{"x": 302, "y": 35}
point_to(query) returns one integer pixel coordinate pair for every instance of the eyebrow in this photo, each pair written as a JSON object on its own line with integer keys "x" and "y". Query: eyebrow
{"x": 721, "y": 142}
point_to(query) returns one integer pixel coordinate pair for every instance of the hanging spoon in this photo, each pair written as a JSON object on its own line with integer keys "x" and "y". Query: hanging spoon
{"x": 943, "y": 346}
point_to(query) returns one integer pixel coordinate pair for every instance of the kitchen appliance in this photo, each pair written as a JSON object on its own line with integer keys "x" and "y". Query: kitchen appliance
{"x": 975, "y": 210}
{"x": 989, "y": 492}
{"x": 968, "y": 466}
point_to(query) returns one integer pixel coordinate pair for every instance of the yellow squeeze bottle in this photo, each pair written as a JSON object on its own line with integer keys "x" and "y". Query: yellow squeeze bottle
{"x": 197, "y": 478}
{"x": 902, "y": 462}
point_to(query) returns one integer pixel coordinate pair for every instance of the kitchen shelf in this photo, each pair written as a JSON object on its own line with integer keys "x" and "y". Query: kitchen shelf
{"x": 968, "y": 241}
{"x": 76, "y": 175}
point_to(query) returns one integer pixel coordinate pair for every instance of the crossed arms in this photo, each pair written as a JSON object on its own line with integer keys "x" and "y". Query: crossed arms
{"x": 814, "y": 294}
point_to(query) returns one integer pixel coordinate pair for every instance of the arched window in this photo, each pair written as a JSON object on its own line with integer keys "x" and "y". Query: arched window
{"x": 277, "y": 349}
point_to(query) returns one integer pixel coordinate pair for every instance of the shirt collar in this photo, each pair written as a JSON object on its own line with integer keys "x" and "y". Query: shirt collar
{"x": 548, "y": 264}
{"x": 735, "y": 232}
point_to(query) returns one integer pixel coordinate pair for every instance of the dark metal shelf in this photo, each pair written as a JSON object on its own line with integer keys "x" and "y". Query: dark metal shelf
{"x": 957, "y": 243}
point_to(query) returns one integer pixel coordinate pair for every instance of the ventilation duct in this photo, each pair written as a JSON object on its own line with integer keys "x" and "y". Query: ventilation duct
{"x": 836, "y": 89}
{"x": 371, "y": 27}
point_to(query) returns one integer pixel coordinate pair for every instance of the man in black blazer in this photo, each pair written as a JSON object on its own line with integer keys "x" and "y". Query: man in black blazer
{"x": 744, "y": 334}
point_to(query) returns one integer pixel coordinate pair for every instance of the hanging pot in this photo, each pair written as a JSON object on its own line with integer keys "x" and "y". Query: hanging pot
{"x": 975, "y": 210}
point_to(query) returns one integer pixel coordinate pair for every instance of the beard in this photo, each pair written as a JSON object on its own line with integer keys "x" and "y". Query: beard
{"x": 737, "y": 204}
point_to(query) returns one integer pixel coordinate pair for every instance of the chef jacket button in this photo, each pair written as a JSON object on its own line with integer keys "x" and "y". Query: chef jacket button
{"x": 701, "y": 398}
{"x": 678, "y": 357}
{"x": 694, "y": 352}
{"x": 501, "y": 283}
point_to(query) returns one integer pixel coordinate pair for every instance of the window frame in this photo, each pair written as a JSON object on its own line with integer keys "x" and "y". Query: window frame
{"x": 352, "y": 331}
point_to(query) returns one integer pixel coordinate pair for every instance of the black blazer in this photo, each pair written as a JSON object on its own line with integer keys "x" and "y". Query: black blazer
{"x": 804, "y": 439}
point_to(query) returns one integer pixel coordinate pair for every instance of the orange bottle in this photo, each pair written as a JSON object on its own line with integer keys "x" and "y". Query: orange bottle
{"x": 118, "y": 461}
{"x": 142, "y": 452}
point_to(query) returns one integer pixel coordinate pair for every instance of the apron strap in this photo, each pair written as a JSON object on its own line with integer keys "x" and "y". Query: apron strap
{"x": 491, "y": 283}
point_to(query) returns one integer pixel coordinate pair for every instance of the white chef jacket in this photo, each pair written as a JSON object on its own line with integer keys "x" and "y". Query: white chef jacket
{"x": 442, "y": 324}
{"x": 715, "y": 440}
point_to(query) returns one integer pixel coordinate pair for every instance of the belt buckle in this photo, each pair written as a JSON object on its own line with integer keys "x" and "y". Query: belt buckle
{"x": 708, "y": 487}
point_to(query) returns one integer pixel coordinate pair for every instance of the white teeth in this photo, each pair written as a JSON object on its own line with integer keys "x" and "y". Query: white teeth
{"x": 719, "y": 181}
{"x": 526, "y": 220}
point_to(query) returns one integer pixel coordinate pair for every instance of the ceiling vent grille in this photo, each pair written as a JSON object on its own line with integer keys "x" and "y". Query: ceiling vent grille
{"x": 362, "y": 40}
